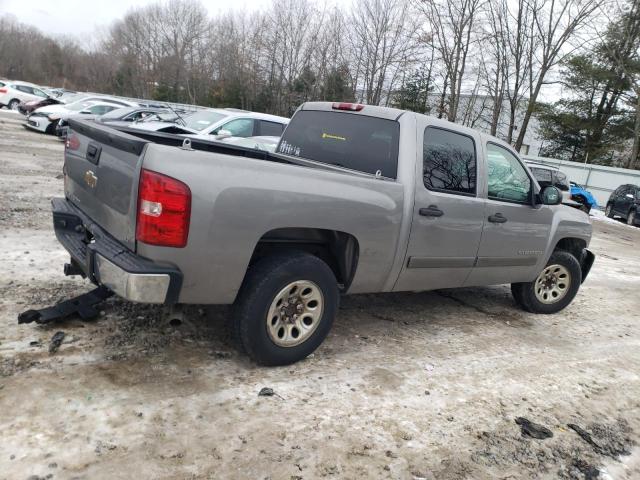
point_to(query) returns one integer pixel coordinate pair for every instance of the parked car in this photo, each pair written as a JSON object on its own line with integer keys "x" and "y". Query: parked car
{"x": 12, "y": 93}
{"x": 45, "y": 119}
{"x": 229, "y": 122}
{"x": 625, "y": 202}
{"x": 548, "y": 175}
{"x": 356, "y": 199}
{"x": 124, "y": 115}
{"x": 268, "y": 144}
{"x": 29, "y": 107}
{"x": 583, "y": 196}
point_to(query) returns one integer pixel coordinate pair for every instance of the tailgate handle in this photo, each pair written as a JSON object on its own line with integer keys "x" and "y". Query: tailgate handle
{"x": 93, "y": 153}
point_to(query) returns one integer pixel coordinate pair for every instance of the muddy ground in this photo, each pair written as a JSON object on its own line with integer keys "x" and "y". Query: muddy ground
{"x": 407, "y": 386}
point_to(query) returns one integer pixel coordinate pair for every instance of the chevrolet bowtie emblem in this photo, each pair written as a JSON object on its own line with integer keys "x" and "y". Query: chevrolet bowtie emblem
{"x": 90, "y": 179}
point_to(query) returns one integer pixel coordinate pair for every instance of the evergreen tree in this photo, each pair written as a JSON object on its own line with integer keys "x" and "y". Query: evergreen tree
{"x": 595, "y": 122}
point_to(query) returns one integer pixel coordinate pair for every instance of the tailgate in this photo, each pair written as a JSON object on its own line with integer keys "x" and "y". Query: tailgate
{"x": 101, "y": 168}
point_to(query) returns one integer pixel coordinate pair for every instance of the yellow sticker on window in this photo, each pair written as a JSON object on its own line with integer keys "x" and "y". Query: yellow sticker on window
{"x": 333, "y": 137}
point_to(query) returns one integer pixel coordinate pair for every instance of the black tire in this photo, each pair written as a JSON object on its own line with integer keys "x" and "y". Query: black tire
{"x": 13, "y": 104}
{"x": 525, "y": 295}
{"x": 263, "y": 282}
{"x": 51, "y": 128}
{"x": 631, "y": 218}
{"x": 608, "y": 211}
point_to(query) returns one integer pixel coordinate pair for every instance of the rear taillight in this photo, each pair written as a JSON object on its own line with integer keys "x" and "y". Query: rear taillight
{"x": 352, "y": 107}
{"x": 72, "y": 142}
{"x": 164, "y": 210}
{"x": 3, "y": 90}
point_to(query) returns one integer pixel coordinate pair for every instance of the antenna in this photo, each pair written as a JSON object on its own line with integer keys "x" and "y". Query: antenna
{"x": 182, "y": 122}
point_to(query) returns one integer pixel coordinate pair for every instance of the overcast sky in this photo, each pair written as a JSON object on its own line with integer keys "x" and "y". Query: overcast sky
{"x": 81, "y": 17}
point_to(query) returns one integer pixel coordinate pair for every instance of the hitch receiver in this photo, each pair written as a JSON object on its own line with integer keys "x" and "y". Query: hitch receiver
{"x": 83, "y": 305}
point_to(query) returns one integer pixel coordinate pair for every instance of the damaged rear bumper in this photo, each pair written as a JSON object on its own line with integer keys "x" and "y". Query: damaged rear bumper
{"x": 105, "y": 261}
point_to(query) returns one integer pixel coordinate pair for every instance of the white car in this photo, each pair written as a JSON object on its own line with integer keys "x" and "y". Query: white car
{"x": 222, "y": 123}
{"x": 12, "y": 93}
{"x": 45, "y": 119}
{"x": 266, "y": 143}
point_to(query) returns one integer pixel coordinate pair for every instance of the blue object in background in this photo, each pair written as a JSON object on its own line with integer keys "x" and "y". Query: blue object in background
{"x": 578, "y": 193}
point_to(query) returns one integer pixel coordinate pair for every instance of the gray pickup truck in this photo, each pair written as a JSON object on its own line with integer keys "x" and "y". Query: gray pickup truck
{"x": 356, "y": 199}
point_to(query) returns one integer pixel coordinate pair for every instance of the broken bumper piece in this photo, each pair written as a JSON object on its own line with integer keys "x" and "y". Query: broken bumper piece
{"x": 105, "y": 261}
{"x": 83, "y": 305}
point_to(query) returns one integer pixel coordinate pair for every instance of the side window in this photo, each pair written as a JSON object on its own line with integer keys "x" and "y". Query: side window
{"x": 561, "y": 181}
{"x": 508, "y": 180}
{"x": 100, "y": 109}
{"x": 448, "y": 162}
{"x": 25, "y": 89}
{"x": 271, "y": 129}
{"x": 241, "y": 127}
{"x": 543, "y": 176}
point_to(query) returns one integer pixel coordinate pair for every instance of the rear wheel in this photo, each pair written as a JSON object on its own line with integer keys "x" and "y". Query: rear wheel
{"x": 285, "y": 308}
{"x": 554, "y": 288}
{"x": 13, "y": 104}
{"x": 631, "y": 218}
{"x": 609, "y": 210}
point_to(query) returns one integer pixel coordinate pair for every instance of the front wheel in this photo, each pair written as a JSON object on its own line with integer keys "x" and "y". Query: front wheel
{"x": 554, "y": 288}
{"x": 285, "y": 308}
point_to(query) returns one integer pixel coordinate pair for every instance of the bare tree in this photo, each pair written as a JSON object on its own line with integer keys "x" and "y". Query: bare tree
{"x": 452, "y": 30}
{"x": 555, "y": 23}
{"x": 382, "y": 38}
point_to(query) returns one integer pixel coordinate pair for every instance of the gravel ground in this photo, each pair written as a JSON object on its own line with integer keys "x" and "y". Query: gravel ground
{"x": 407, "y": 386}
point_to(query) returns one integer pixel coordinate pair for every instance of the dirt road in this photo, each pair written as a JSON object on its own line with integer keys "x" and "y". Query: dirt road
{"x": 407, "y": 386}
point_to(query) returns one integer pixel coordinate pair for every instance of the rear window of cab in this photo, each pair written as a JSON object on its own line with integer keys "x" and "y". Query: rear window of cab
{"x": 357, "y": 142}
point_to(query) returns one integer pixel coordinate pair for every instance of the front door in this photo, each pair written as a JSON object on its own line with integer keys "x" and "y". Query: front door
{"x": 515, "y": 234}
{"x": 448, "y": 213}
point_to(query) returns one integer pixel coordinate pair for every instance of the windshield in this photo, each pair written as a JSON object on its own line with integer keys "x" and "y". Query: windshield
{"x": 76, "y": 107}
{"x": 117, "y": 113}
{"x": 201, "y": 120}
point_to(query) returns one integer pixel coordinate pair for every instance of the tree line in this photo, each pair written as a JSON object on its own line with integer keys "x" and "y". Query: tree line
{"x": 482, "y": 63}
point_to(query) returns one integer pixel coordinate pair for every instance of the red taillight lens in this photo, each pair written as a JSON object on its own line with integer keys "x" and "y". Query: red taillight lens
{"x": 164, "y": 210}
{"x": 353, "y": 107}
{"x": 3, "y": 90}
{"x": 73, "y": 142}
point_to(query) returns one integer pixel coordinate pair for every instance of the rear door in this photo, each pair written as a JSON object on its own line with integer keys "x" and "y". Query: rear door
{"x": 448, "y": 211}
{"x": 515, "y": 233}
{"x": 101, "y": 176}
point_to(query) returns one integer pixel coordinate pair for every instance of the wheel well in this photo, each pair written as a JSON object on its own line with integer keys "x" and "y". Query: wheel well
{"x": 337, "y": 249}
{"x": 572, "y": 245}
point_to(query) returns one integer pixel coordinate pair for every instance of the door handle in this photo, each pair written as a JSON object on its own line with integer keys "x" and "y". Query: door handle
{"x": 497, "y": 218}
{"x": 431, "y": 211}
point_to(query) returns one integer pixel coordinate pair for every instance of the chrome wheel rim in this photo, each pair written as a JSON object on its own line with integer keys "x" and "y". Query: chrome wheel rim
{"x": 295, "y": 313}
{"x": 607, "y": 210}
{"x": 552, "y": 284}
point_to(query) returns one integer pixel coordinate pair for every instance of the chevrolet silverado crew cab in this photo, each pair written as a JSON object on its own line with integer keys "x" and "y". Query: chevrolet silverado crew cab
{"x": 356, "y": 199}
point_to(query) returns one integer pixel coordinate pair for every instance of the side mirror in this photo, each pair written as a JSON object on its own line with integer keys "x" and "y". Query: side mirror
{"x": 550, "y": 196}
{"x": 223, "y": 134}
